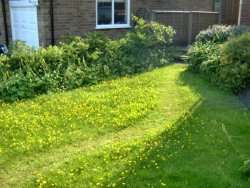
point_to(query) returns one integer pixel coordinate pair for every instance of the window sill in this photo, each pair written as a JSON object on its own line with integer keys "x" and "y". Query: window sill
{"x": 122, "y": 26}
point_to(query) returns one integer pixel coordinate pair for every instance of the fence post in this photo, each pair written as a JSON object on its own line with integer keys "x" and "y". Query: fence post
{"x": 219, "y": 18}
{"x": 153, "y": 15}
{"x": 190, "y": 27}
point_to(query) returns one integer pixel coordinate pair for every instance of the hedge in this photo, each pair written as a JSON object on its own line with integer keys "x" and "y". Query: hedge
{"x": 81, "y": 61}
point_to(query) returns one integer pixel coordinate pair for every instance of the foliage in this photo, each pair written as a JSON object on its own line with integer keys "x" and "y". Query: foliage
{"x": 221, "y": 33}
{"x": 77, "y": 62}
{"x": 245, "y": 169}
{"x": 224, "y": 63}
{"x": 235, "y": 60}
{"x": 141, "y": 49}
{"x": 200, "y": 53}
{"x": 19, "y": 46}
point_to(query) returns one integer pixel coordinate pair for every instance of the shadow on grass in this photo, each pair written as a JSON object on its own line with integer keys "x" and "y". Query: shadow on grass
{"x": 194, "y": 152}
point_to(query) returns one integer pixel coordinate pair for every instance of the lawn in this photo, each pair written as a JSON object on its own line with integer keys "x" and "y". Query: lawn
{"x": 165, "y": 128}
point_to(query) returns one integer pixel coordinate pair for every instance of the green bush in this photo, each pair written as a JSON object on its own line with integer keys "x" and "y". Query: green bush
{"x": 200, "y": 53}
{"x": 227, "y": 64}
{"x": 137, "y": 51}
{"x": 245, "y": 169}
{"x": 221, "y": 33}
{"x": 78, "y": 61}
{"x": 235, "y": 61}
{"x": 19, "y": 46}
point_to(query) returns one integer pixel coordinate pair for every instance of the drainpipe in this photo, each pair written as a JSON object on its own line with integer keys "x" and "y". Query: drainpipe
{"x": 52, "y": 23}
{"x": 5, "y": 22}
{"x": 240, "y": 12}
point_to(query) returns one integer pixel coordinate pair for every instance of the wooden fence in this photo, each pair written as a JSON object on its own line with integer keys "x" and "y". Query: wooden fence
{"x": 230, "y": 11}
{"x": 186, "y": 23}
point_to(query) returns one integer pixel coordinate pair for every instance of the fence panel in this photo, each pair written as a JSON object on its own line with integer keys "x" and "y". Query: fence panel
{"x": 186, "y": 23}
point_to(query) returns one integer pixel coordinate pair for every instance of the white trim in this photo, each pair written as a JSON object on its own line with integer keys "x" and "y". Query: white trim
{"x": 113, "y": 25}
{"x": 129, "y": 12}
{"x": 113, "y": 12}
{"x": 240, "y": 12}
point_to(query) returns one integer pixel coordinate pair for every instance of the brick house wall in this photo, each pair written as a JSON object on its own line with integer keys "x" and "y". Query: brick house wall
{"x": 245, "y": 13}
{"x": 78, "y": 17}
{"x": 44, "y": 24}
{"x": 195, "y": 5}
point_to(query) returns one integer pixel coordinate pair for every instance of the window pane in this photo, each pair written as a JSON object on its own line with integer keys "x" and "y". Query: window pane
{"x": 104, "y": 12}
{"x": 121, "y": 11}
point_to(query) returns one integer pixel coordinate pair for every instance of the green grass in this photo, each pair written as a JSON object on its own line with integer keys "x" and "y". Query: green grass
{"x": 165, "y": 128}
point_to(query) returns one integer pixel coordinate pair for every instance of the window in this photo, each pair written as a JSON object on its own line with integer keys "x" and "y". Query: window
{"x": 104, "y": 12}
{"x": 112, "y": 14}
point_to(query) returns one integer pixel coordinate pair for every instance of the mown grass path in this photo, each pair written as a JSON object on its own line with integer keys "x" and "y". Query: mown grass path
{"x": 192, "y": 135}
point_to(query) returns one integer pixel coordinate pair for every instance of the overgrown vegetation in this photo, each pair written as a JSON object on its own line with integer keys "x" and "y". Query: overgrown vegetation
{"x": 245, "y": 169}
{"x": 221, "y": 54}
{"x": 83, "y": 61}
{"x": 221, "y": 33}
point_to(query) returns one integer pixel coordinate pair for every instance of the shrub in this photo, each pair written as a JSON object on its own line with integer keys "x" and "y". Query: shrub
{"x": 216, "y": 33}
{"x": 227, "y": 65}
{"x": 4, "y": 66}
{"x": 151, "y": 34}
{"x": 138, "y": 50}
{"x": 211, "y": 66}
{"x": 79, "y": 61}
{"x": 96, "y": 41}
{"x": 19, "y": 46}
{"x": 245, "y": 169}
{"x": 200, "y": 53}
{"x": 235, "y": 61}
{"x": 221, "y": 33}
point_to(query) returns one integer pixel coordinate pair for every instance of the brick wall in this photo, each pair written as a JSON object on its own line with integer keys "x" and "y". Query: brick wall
{"x": 77, "y": 17}
{"x": 245, "y": 13}
{"x": 195, "y": 5}
{"x": 44, "y": 22}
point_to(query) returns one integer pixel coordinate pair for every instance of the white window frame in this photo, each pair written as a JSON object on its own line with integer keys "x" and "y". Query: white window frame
{"x": 113, "y": 25}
